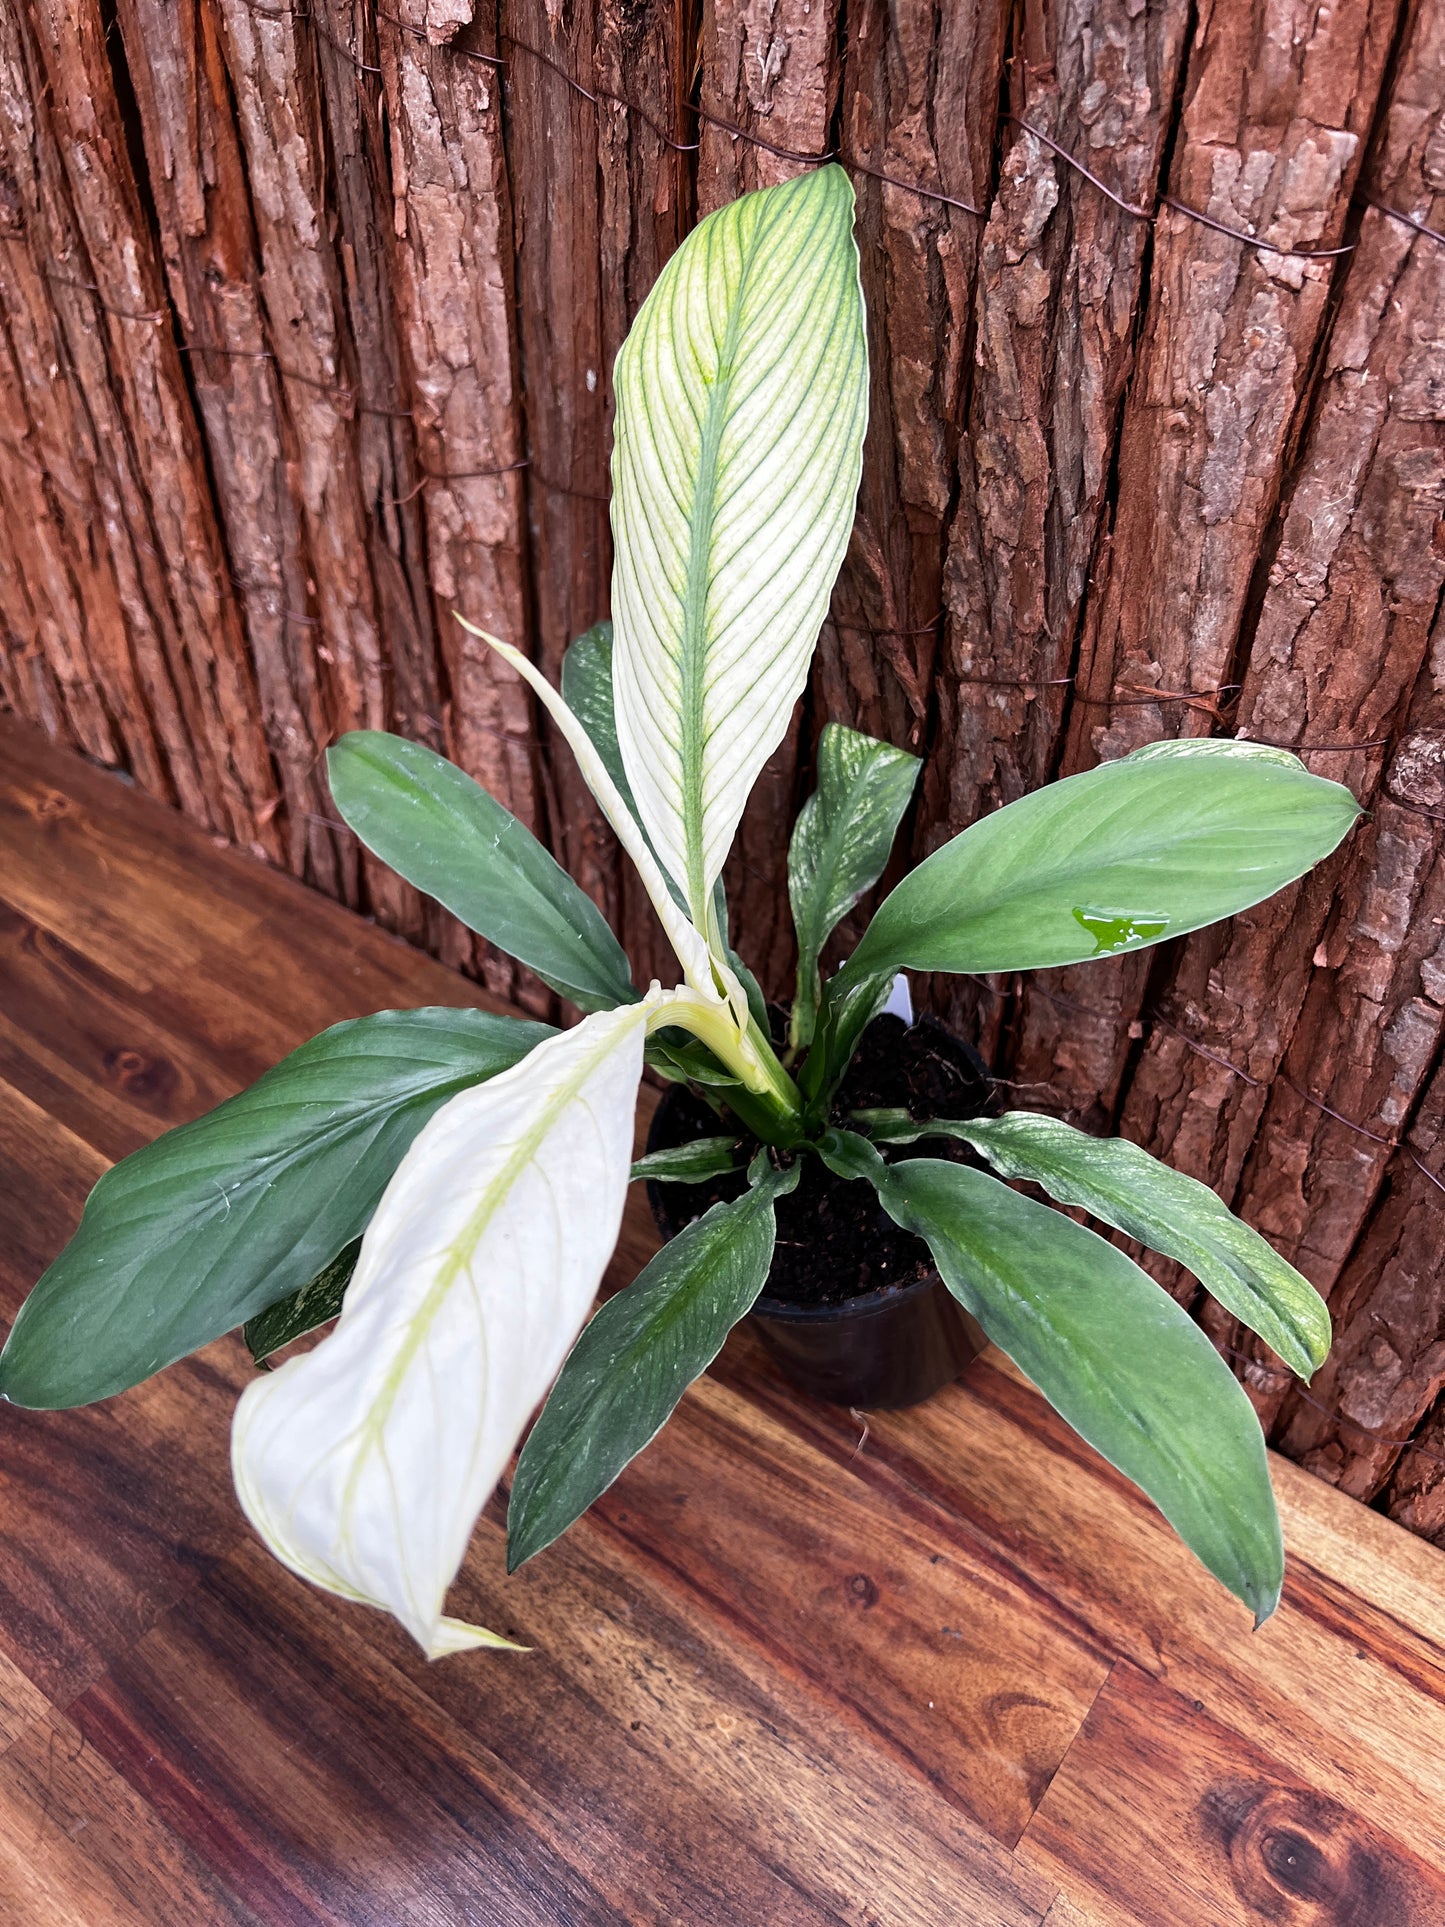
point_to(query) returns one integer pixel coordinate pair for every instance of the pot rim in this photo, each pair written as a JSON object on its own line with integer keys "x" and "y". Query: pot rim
{"x": 866, "y": 1304}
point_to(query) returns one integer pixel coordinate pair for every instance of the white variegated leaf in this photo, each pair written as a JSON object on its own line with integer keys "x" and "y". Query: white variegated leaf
{"x": 365, "y": 1463}
{"x": 689, "y": 944}
{"x": 742, "y": 399}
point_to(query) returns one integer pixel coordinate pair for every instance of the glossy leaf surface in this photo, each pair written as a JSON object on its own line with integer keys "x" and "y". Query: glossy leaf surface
{"x": 316, "y": 1304}
{"x": 1123, "y": 856}
{"x": 587, "y": 692}
{"x": 1177, "y": 1216}
{"x": 742, "y": 398}
{"x": 1124, "y": 1364}
{"x": 216, "y": 1220}
{"x": 840, "y": 844}
{"x": 365, "y": 1462}
{"x": 703, "y": 1158}
{"x": 434, "y": 826}
{"x": 635, "y": 1360}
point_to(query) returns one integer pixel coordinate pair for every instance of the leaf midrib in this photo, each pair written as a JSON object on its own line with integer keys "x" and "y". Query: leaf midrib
{"x": 1048, "y": 873}
{"x": 522, "y": 1153}
{"x": 693, "y": 666}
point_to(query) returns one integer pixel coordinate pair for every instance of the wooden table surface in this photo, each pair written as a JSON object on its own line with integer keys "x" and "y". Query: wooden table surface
{"x": 948, "y": 1670}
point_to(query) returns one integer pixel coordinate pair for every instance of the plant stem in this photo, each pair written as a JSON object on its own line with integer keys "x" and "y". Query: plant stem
{"x": 747, "y": 1054}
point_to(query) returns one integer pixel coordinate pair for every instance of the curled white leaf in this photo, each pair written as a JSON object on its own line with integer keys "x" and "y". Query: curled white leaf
{"x": 689, "y": 945}
{"x": 365, "y": 1463}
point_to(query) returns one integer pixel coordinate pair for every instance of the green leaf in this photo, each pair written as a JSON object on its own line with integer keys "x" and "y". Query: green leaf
{"x": 315, "y": 1304}
{"x": 1123, "y": 1186}
{"x": 587, "y": 692}
{"x": 441, "y": 831}
{"x": 218, "y": 1219}
{"x": 680, "y": 1056}
{"x": 1110, "y": 1350}
{"x": 840, "y": 844}
{"x": 900, "y": 1127}
{"x": 705, "y": 1157}
{"x": 635, "y": 1360}
{"x": 1221, "y": 746}
{"x": 1125, "y": 855}
{"x": 850, "y": 1003}
{"x": 742, "y": 398}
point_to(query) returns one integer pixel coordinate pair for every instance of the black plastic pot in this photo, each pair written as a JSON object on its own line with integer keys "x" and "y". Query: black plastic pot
{"x": 878, "y": 1351}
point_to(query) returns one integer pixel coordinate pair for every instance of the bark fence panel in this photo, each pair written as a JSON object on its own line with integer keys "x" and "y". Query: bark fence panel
{"x": 308, "y": 320}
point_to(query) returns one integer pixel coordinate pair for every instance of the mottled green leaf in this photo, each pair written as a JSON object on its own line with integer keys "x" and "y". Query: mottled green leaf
{"x": 840, "y": 844}
{"x": 637, "y": 1357}
{"x": 1125, "y": 1365}
{"x": 694, "y": 1163}
{"x": 1177, "y": 1216}
{"x": 316, "y": 1304}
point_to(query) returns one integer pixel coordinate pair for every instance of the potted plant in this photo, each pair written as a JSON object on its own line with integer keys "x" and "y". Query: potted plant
{"x": 452, "y": 1182}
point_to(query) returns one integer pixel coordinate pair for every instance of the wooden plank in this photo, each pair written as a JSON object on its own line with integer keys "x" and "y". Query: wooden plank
{"x": 222, "y": 948}
{"x": 79, "y": 1848}
{"x": 89, "y": 1051}
{"x": 1336, "y": 1684}
{"x": 1162, "y": 1814}
{"x": 626, "y": 1770}
{"x": 787, "y": 1767}
{"x": 937, "y": 1658}
{"x": 48, "y": 1172}
{"x": 640, "y": 1746}
{"x": 314, "y": 1776}
{"x": 109, "y": 1511}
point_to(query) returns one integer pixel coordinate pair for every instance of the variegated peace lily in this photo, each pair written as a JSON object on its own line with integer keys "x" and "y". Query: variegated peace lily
{"x": 451, "y": 1182}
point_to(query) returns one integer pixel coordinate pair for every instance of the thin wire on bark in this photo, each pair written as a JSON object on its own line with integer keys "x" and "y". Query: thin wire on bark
{"x": 1208, "y": 220}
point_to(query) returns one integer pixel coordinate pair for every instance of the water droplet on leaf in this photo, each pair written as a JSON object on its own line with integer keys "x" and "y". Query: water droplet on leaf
{"x": 1114, "y": 930}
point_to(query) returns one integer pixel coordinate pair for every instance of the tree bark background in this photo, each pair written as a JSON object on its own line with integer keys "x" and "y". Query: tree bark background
{"x": 307, "y": 317}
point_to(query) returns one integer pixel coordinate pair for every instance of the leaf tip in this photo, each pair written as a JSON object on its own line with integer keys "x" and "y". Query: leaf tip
{"x": 1264, "y": 1609}
{"x": 457, "y": 1636}
{"x": 519, "y": 1552}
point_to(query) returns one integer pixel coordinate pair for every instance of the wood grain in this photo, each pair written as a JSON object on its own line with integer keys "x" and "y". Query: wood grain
{"x": 78, "y": 1845}
{"x": 942, "y": 1670}
{"x": 1161, "y": 1814}
{"x": 1099, "y": 1548}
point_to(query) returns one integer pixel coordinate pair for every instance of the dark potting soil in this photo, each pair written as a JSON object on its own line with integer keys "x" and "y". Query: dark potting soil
{"x": 835, "y": 1240}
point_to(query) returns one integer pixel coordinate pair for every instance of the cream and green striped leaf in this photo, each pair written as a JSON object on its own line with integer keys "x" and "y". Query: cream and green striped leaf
{"x": 742, "y": 399}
